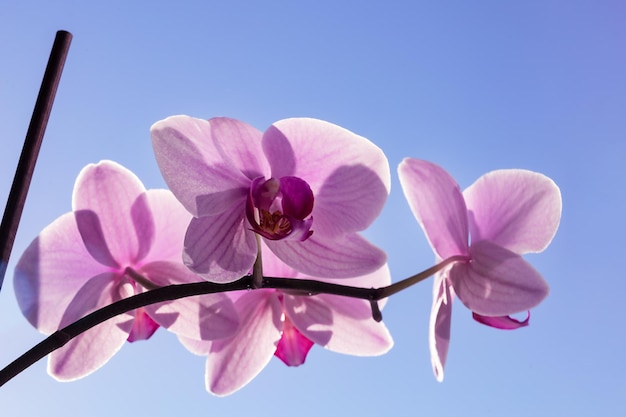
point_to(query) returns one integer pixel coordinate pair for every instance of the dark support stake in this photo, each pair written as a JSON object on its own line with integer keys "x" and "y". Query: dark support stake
{"x": 30, "y": 151}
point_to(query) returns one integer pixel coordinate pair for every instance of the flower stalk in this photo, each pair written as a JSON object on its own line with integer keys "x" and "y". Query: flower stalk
{"x": 174, "y": 292}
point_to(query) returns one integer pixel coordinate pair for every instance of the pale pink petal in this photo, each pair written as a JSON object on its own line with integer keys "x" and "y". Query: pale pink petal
{"x": 92, "y": 237}
{"x": 377, "y": 279}
{"x": 343, "y": 257}
{"x": 348, "y": 174}
{"x": 273, "y": 266}
{"x": 440, "y": 321}
{"x": 234, "y": 362}
{"x": 108, "y": 200}
{"x": 143, "y": 326}
{"x": 197, "y": 347}
{"x": 502, "y": 322}
{"x": 220, "y": 247}
{"x": 517, "y": 209}
{"x": 437, "y": 203}
{"x": 203, "y": 347}
{"x": 89, "y": 351}
{"x": 51, "y": 271}
{"x": 208, "y": 165}
{"x": 170, "y": 224}
{"x": 340, "y": 324}
{"x": 293, "y": 346}
{"x": 144, "y": 227}
{"x": 204, "y": 317}
{"x": 497, "y": 282}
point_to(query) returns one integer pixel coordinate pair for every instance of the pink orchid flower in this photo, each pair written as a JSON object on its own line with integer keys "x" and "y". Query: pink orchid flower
{"x": 118, "y": 236}
{"x": 286, "y": 324}
{"x": 305, "y": 186}
{"x": 507, "y": 213}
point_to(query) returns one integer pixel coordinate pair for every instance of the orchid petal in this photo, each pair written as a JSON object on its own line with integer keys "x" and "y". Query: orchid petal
{"x": 293, "y": 346}
{"x": 348, "y": 174}
{"x": 440, "y": 323}
{"x": 92, "y": 237}
{"x": 516, "y": 209}
{"x": 497, "y": 282}
{"x": 502, "y": 322}
{"x": 377, "y": 279}
{"x": 345, "y": 257}
{"x": 108, "y": 200}
{"x": 208, "y": 165}
{"x": 50, "y": 272}
{"x": 197, "y": 347}
{"x": 220, "y": 247}
{"x": 203, "y": 347}
{"x": 340, "y": 324}
{"x": 143, "y": 326}
{"x": 89, "y": 351}
{"x": 203, "y": 317}
{"x": 297, "y": 197}
{"x": 437, "y": 204}
{"x": 273, "y": 266}
{"x": 234, "y": 362}
{"x": 170, "y": 224}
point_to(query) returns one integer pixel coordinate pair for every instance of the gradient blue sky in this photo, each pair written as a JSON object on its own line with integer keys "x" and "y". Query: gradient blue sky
{"x": 473, "y": 86}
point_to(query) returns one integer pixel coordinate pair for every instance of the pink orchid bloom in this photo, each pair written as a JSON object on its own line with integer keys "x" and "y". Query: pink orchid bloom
{"x": 507, "y": 213}
{"x": 117, "y": 236}
{"x": 286, "y": 324}
{"x": 305, "y": 186}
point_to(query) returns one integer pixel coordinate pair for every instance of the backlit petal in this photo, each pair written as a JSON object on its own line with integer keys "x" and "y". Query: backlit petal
{"x": 208, "y": 165}
{"x": 348, "y": 174}
{"x": 440, "y": 322}
{"x": 437, "y": 203}
{"x": 203, "y": 317}
{"x": 497, "y": 282}
{"x": 51, "y": 271}
{"x": 377, "y": 279}
{"x": 340, "y": 324}
{"x": 89, "y": 351}
{"x": 197, "y": 347}
{"x": 273, "y": 266}
{"x": 109, "y": 202}
{"x": 344, "y": 257}
{"x": 517, "y": 209}
{"x": 220, "y": 247}
{"x": 234, "y": 362}
{"x": 170, "y": 224}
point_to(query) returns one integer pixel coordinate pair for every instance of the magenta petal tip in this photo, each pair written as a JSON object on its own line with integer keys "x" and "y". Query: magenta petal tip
{"x": 502, "y": 322}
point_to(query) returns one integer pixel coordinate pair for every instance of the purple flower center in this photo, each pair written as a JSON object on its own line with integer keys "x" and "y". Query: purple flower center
{"x": 278, "y": 208}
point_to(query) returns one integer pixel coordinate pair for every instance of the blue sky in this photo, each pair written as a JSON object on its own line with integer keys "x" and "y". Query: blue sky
{"x": 472, "y": 86}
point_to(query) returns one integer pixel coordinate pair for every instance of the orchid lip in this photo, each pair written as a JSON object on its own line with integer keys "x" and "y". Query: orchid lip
{"x": 278, "y": 208}
{"x": 502, "y": 322}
